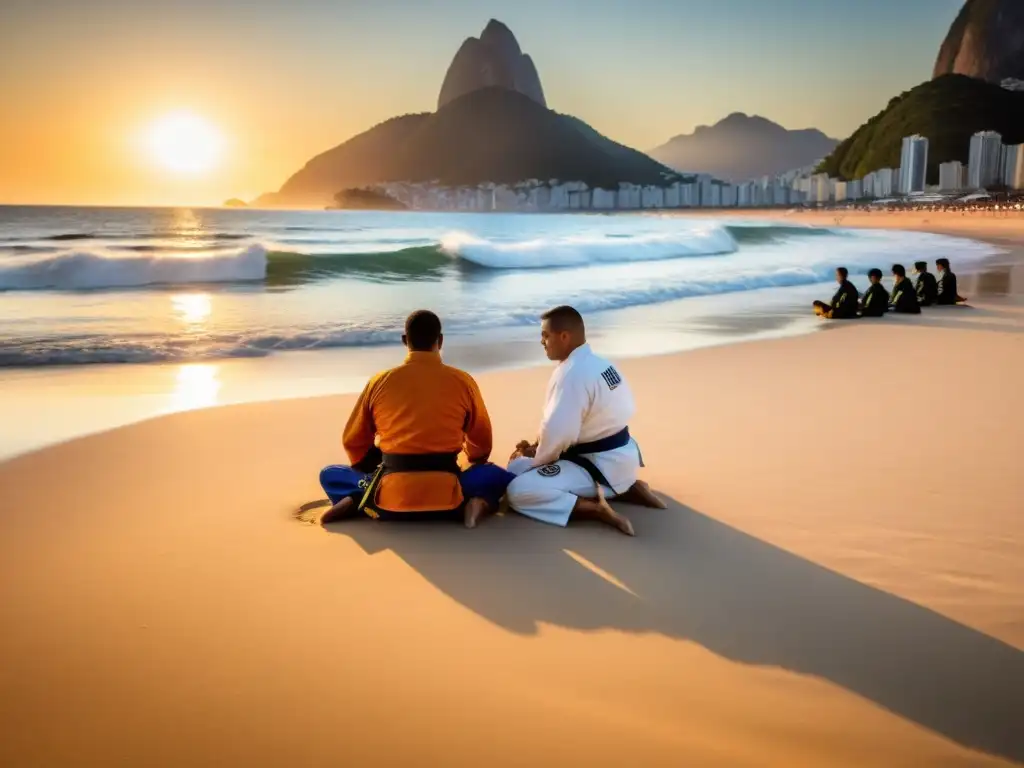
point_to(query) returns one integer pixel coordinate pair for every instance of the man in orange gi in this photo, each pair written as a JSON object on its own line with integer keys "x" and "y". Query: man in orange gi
{"x": 424, "y": 413}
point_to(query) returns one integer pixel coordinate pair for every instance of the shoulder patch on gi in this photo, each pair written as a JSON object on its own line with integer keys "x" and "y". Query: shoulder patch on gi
{"x": 611, "y": 377}
{"x": 549, "y": 470}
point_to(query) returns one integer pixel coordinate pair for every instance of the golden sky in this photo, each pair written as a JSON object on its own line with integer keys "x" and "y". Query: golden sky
{"x": 81, "y": 82}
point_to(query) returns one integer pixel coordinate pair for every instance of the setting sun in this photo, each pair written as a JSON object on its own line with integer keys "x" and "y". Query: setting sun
{"x": 185, "y": 143}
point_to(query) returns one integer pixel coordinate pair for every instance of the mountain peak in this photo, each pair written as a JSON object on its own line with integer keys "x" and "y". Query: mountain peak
{"x": 491, "y": 134}
{"x": 742, "y": 119}
{"x": 741, "y": 146}
{"x": 496, "y": 28}
{"x": 493, "y": 59}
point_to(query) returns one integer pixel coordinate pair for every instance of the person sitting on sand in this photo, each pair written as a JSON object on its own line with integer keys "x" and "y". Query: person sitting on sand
{"x": 876, "y": 298}
{"x": 903, "y": 299}
{"x": 926, "y": 286}
{"x": 424, "y": 413}
{"x": 947, "y": 292}
{"x": 844, "y": 304}
{"x": 584, "y": 454}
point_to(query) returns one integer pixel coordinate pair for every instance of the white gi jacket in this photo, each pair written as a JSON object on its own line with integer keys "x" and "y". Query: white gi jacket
{"x": 589, "y": 399}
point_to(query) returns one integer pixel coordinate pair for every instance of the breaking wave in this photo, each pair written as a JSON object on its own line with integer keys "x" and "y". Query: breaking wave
{"x": 583, "y": 250}
{"x": 30, "y": 267}
{"x": 352, "y": 290}
{"x": 78, "y": 270}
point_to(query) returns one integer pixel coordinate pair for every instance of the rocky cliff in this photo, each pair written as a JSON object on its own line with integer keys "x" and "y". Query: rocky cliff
{"x": 492, "y": 60}
{"x": 986, "y": 41}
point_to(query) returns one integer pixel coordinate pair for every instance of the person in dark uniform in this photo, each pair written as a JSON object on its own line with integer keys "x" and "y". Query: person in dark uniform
{"x": 926, "y": 286}
{"x": 876, "y": 298}
{"x": 903, "y": 298}
{"x": 946, "y": 294}
{"x": 844, "y": 304}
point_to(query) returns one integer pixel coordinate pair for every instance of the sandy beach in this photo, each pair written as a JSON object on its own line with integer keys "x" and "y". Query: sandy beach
{"x": 838, "y": 579}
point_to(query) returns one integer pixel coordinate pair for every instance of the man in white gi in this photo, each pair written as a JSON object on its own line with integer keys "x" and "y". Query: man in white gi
{"x": 584, "y": 453}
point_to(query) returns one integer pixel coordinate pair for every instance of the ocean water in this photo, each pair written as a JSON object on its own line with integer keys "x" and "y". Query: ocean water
{"x": 85, "y": 286}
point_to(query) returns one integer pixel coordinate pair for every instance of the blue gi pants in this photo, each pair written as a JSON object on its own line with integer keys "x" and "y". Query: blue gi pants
{"x": 485, "y": 481}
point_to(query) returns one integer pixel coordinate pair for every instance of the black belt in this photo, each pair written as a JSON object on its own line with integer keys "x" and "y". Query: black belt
{"x": 403, "y": 462}
{"x": 575, "y": 453}
{"x": 421, "y": 462}
{"x": 610, "y": 443}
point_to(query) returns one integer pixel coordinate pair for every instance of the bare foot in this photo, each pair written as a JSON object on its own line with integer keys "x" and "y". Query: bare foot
{"x": 343, "y": 508}
{"x": 310, "y": 512}
{"x": 640, "y": 493}
{"x": 307, "y": 513}
{"x": 599, "y": 509}
{"x": 610, "y": 516}
{"x": 475, "y": 509}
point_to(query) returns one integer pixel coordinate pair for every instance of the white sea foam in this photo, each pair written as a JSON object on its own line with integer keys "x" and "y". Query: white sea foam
{"x": 582, "y": 250}
{"x": 84, "y": 269}
{"x": 337, "y": 292}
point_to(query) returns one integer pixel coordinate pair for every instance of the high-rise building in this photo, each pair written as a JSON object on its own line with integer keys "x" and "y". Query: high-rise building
{"x": 743, "y": 195}
{"x": 983, "y": 164}
{"x": 716, "y": 196}
{"x": 839, "y": 191}
{"x": 820, "y": 188}
{"x": 707, "y": 190}
{"x": 869, "y": 185}
{"x": 884, "y": 182}
{"x": 951, "y": 176}
{"x": 855, "y": 189}
{"x": 1013, "y": 167}
{"x": 913, "y": 164}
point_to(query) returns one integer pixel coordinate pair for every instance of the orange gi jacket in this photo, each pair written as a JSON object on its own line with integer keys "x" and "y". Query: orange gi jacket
{"x": 422, "y": 406}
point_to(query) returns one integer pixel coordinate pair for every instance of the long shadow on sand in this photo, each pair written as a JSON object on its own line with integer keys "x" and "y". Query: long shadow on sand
{"x": 690, "y": 577}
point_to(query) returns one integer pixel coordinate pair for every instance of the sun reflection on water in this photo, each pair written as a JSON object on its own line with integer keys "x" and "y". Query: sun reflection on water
{"x": 192, "y": 308}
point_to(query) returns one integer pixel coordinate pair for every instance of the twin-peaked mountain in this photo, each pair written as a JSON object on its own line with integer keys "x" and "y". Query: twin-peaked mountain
{"x": 492, "y": 125}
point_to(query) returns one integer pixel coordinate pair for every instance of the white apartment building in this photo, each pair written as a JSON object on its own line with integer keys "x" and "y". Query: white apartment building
{"x": 913, "y": 164}
{"x": 628, "y": 196}
{"x": 689, "y": 195}
{"x": 951, "y": 176}
{"x": 868, "y": 185}
{"x": 652, "y": 197}
{"x": 820, "y": 188}
{"x": 1013, "y": 166}
{"x": 707, "y": 191}
{"x": 884, "y": 182}
{"x": 984, "y": 169}
{"x": 716, "y": 196}
{"x": 602, "y": 199}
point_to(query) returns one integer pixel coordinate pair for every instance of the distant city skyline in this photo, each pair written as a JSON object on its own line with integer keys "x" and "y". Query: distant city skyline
{"x": 82, "y": 81}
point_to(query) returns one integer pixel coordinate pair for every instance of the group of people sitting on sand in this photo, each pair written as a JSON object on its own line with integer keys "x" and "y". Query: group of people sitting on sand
{"x": 410, "y": 424}
{"x": 904, "y": 298}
